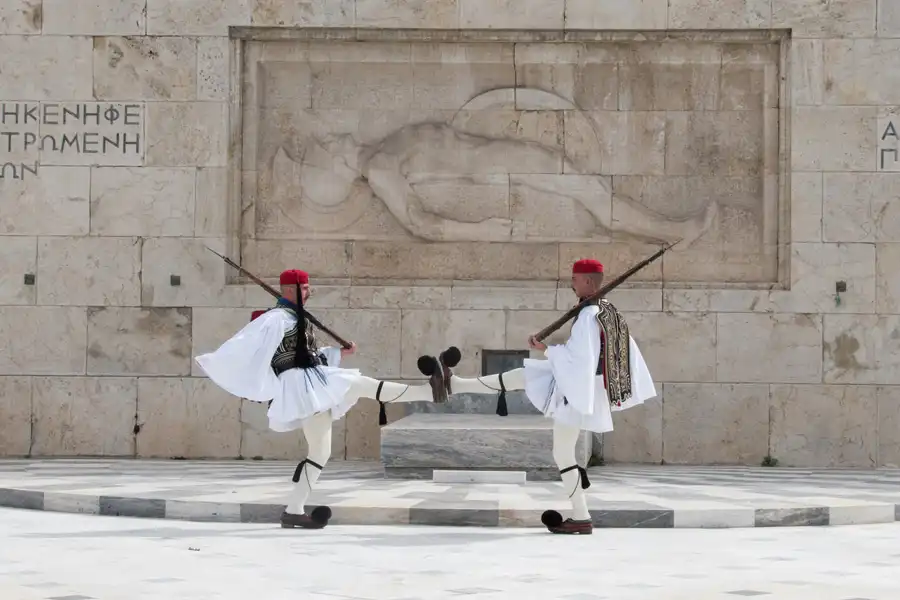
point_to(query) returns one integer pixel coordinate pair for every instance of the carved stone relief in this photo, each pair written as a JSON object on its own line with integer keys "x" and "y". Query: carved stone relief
{"x": 612, "y": 146}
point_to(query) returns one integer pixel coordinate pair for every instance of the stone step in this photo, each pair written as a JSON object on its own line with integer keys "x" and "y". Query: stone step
{"x": 414, "y": 446}
{"x": 517, "y": 403}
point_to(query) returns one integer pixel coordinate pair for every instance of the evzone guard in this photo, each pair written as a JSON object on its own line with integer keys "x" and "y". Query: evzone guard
{"x": 276, "y": 359}
{"x": 598, "y": 370}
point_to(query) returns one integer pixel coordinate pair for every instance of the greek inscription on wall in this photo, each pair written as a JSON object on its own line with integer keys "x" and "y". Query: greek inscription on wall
{"x": 35, "y": 134}
{"x": 888, "y": 153}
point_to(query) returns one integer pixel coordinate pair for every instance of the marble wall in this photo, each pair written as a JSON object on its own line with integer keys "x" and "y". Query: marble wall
{"x": 437, "y": 165}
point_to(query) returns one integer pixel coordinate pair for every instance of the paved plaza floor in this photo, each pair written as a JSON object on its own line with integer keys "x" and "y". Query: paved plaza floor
{"x": 642, "y": 497}
{"x": 52, "y": 556}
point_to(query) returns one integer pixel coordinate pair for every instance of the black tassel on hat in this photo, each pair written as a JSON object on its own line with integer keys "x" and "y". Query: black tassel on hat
{"x": 382, "y": 414}
{"x": 501, "y": 400}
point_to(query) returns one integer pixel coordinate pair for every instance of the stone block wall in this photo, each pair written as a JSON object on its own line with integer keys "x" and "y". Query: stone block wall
{"x": 135, "y": 132}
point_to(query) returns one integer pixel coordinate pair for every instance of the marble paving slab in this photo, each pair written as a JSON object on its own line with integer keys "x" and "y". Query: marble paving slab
{"x": 358, "y": 493}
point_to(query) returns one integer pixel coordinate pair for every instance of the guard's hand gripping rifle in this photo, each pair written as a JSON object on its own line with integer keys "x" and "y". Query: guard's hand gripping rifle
{"x": 573, "y": 312}
{"x": 344, "y": 343}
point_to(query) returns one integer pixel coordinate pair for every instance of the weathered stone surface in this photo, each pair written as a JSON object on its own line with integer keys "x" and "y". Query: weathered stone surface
{"x": 258, "y": 441}
{"x": 98, "y": 17}
{"x": 815, "y": 267}
{"x": 398, "y": 296}
{"x": 309, "y": 13}
{"x": 616, "y": 14}
{"x": 715, "y": 14}
{"x": 888, "y": 19}
{"x": 862, "y": 349}
{"x": 817, "y": 19}
{"x": 320, "y": 259}
{"x": 187, "y": 134}
{"x": 616, "y": 258}
{"x": 18, "y": 257}
{"x": 143, "y": 201}
{"x": 438, "y": 14}
{"x": 363, "y": 436}
{"x": 92, "y": 134}
{"x": 478, "y": 442}
{"x": 189, "y": 418}
{"x": 399, "y": 145}
{"x": 145, "y": 68}
{"x": 15, "y": 414}
{"x": 632, "y": 142}
{"x": 63, "y": 192}
{"x": 64, "y": 73}
{"x": 196, "y": 17}
{"x": 432, "y": 331}
{"x": 666, "y": 338}
{"x": 861, "y": 207}
{"x": 769, "y": 348}
{"x": 833, "y": 138}
{"x": 62, "y": 354}
{"x": 715, "y": 423}
{"x": 89, "y": 271}
{"x": 807, "y": 207}
{"x": 21, "y": 17}
{"x": 844, "y": 419}
{"x": 638, "y": 434}
{"x": 625, "y": 299}
{"x": 485, "y": 298}
{"x": 139, "y": 341}
{"x": 807, "y": 59}
{"x": 211, "y": 203}
{"x": 862, "y": 72}
{"x": 376, "y": 333}
{"x": 213, "y": 68}
{"x": 84, "y": 416}
{"x": 202, "y": 274}
{"x": 888, "y": 426}
{"x": 453, "y": 261}
{"x": 582, "y": 76}
{"x": 511, "y": 14}
{"x": 887, "y": 283}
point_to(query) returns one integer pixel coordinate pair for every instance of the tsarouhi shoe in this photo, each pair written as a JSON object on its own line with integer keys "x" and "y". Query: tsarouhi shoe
{"x": 432, "y": 368}
{"x": 318, "y": 519}
{"x": 554, "y": 523}
{"x": 449, "y": 358}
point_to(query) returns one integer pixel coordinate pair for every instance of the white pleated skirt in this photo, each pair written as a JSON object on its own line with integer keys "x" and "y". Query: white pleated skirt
{"x": 544, "y": 394}
{"x": 301, "y": 394}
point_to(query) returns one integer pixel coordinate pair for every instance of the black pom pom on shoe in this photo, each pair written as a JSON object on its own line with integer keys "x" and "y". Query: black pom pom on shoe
{"x": 321, "y": 514}
{"x": 428, "y": 365}
{"x": 551, "y": 518}
{"x": 451, "y": 356}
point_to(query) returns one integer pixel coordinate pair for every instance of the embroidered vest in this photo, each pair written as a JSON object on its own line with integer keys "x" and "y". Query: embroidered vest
{"x": 285, "y": 356}
{"x": 615, "y": 353}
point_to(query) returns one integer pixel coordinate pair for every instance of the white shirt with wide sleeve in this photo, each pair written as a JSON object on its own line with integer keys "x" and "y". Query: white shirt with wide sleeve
{"x": 570, "y": 374}
{"x": 242, "y": 366}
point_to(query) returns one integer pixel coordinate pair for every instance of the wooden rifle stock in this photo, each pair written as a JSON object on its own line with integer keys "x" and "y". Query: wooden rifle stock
{"x": 344, "y": 343}
{"x": 573, "y": 312}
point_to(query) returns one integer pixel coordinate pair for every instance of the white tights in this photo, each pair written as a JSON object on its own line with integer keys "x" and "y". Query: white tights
{"x": 317, "y": 430}
{"x": 565, "y": 438}
{"x": 489, "y": 384}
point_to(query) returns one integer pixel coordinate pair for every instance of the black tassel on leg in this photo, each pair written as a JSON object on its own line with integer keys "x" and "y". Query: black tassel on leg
{"x": 501, "y": 400}
{"x": 382, "y": 414}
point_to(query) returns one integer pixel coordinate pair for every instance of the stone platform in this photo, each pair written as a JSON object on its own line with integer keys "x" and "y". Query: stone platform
{"x": 413, "y": 447}
{"x": 658, "y": 497}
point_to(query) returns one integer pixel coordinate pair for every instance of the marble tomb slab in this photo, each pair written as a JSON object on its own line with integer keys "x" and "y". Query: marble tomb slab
{"x": 413, "y": 447}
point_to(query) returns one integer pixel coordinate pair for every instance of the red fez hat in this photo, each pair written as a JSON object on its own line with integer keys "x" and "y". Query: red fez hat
{"x": 294, "y": 277}
{"x": 587, "y": 265}
{"x": 257, "y": 314}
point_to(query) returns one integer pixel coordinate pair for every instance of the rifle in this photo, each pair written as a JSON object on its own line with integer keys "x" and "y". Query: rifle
{"x": 344, "y": 344}
{"x": 573, "y": 312}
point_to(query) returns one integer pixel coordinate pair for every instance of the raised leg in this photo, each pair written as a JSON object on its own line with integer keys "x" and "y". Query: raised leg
{"x": 575, "y": 481}
{"x": 489, "y": 384}
{"x": 389, "y": 391}
{"x": 317, "y": 430}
